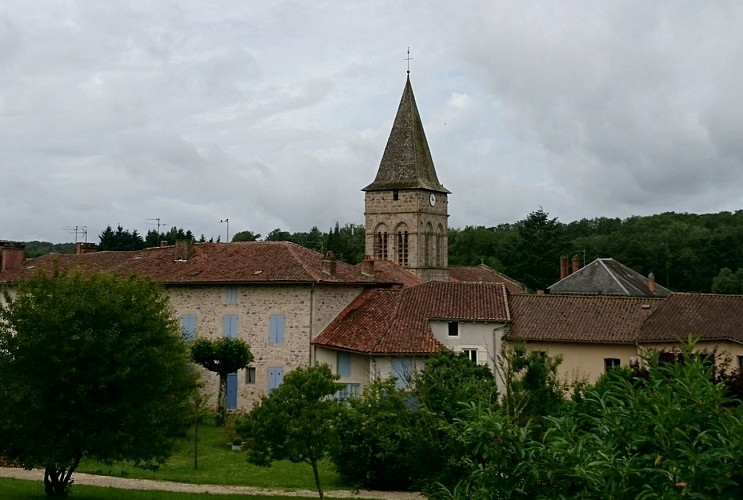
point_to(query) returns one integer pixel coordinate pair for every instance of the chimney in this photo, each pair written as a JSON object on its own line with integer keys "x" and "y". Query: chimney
{"x": 81, "y": 248}
{"x": 329, "y": 263}
{"x": 183, "y": 249}
{"x": 651, "y": 283}
{"x": 12, "y": 256}
{"x": 163, "y": 243}
{"x": 576, "y": 263}
{"x": 367, "y": 265}
{"x": 563, "y": 266}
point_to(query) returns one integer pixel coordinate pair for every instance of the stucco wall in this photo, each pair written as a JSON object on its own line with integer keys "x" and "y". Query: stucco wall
{"x": 584, "y": 362}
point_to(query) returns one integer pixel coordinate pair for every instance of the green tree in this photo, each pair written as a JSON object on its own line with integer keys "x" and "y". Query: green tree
{"x": 728, "y": 281}
{"x": 121, "y": 239}
{"x": 535, "y": 255}
{"x": 296, "y": 421}
{"x": 222, "y": 356}
{"x": 246, "y": 236}
{"x": 532, "y": 387}
{"x": 91, "y": 366}
{"x": 448, "y": 380}
{"x": 375, "y": 432}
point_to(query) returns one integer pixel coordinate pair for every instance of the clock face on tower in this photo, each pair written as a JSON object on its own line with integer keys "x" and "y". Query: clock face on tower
{"x": 432, "y": 199}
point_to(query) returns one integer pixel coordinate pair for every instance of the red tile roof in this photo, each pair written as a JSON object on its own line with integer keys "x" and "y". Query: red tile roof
{"x": 579, "y": 318}
{"x": 705, "y": 316}
{"x": 390, "y": 272}
{"x": 484, "y": 274}
{"x": 244, "y": 262}
{"x": 397, "y": 321}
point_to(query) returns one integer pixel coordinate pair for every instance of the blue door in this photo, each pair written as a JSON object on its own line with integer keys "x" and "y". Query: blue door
{"x": 232, "y": 391}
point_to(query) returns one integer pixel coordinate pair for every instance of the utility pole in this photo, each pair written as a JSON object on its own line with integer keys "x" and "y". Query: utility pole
{"x": 228, "y": 228}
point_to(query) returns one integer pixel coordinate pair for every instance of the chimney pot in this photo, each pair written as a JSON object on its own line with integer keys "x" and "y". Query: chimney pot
{"x": 651, "y": 283}
{"x": 563, "y": 266}
{"x": 183, "y": 249}
{"x": 367, "y": 265}
{"x": 12, "y": 256}
{"x": 329, "y": 263}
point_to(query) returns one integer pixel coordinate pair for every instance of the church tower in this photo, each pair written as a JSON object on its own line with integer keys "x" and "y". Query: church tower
{"x": 406, "y": 207}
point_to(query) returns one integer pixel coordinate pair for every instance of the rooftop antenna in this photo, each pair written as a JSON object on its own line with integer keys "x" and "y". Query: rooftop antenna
{"x": 157, "y": 219}
{"x": 408, "y": 59}
{"x": 228, "y": 228}
{"x": 83, "y": 230}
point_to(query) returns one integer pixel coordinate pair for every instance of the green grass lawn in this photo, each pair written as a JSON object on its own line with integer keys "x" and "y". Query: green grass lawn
{"x": 18, "y": 489}
{"x": 218, "y": 464}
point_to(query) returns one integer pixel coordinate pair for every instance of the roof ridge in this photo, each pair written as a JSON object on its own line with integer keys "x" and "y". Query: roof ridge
{"x": 614, "y": 277}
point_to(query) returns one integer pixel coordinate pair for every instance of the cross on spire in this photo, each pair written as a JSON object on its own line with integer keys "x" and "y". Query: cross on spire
{"x": 408, "y": 59}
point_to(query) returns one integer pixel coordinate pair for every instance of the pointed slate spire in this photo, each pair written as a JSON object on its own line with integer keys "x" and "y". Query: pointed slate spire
{"x": 407, "y": 162}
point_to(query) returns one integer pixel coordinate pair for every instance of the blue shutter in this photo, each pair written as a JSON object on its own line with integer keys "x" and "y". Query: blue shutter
{"x": 275, "y": 377}
{"x": 232, "y": 391}
{"x": 229, "y": 326}
{"x": 344, "y": 364}
{"x": 188, "y": 326}
{"x": 276, "y": 329}
{"x": 402, "y": 369}
{"x": 230, "y": 296}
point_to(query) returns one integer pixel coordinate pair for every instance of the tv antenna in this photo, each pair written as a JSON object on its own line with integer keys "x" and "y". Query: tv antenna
{"x": 82, "y": 230}
{"x": 158, "y": 223}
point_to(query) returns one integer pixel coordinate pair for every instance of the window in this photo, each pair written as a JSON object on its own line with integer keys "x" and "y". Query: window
{"x": 250, "y": 375}
{"x": 229, "y": 325}
{"x": 402, "y": 369}
{"x": 610, "y": 364}
{"x": 740, "y": 362}
{"x": 188, "y": 326}
{"x": 349, "y": 391}
{"x": 471, "y": 354}
{"x": 402, "y": 248}
{"x": 380, "y": 246}
{"x": 395, "y": 195}
{"x": 275, "y": 377}
{"x": 230, "y": 296}
{"x": 276, "y": 329}
{"x": 453, "y": 329}
{"x": 344, "y": 364}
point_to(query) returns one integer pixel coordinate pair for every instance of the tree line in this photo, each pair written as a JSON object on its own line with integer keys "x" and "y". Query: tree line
{"x": 686, "y": 252}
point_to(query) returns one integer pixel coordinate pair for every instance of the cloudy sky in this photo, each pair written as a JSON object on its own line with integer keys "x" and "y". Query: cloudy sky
{"x": 274, "y": 114}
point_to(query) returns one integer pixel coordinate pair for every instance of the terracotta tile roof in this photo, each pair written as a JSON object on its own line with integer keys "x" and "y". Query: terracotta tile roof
{"x": 397, "y": 321}
{"x": 579, "y": 318}
{"x": 390, "y": 272}
{"x": 484, "y": 274}
{"x": 244, "y": 262}
{"x": 406, "y": 162}
{"x": 705, "y": 316}
{"x": 607, "y": 277}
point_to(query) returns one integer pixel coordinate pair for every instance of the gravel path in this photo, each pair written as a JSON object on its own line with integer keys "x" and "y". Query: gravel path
{"x": 148, "y": 484}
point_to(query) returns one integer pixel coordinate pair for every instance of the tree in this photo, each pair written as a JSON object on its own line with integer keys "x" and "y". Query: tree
{"x": 246, "y": 236}
{"x": 296, "y": 421}
{"x": 221, "y": 356}
{"x": 121, "y": 239}
{"x": 448, "y": 379}
{"x": 375, "y": 433}
{"x": 91, "y": 366}
{"x": 728, "y": 281}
